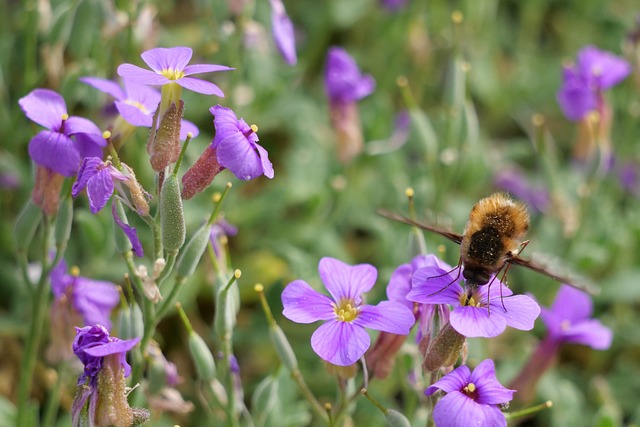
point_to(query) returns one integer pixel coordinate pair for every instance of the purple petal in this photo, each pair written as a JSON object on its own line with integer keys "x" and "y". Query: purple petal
{"x": 344, "y": 281}
{"x": 589, "y": 332}
{"x": 88, "y": 169}
{"x": 476, "y": 322}
{"x": 387, "y": 316}
{"x": 186, "y": 127}
{"x": 205, "y": 68}
{"x": 400, "y": 285}
{"x": 457, "y": 409}
{"x": 60, "y": 280}
{"x": 200, "y": 86}
{"x": 141, "y": 75}
{"x": 163, "y": 59}
{"x": 87, "y": 146}
{"x": 455, "y": 380}
{"x": 576, "y": 101}
{"x": 55, "y": 151}
{"x": 130, "y": 232}
{"x": 99, "y": 190}
{"x": 107, "y": 86}
{"x": 45, "y": 107}
{"x": 239, "y": 156}
{"x": 94, "y": 300}
{"x": 429, "y": 286}
{"x": 340, "y": 343}
{"x": 572, "y": 304}
{"x": 144, "y": 97}
{"x": 75, "y": 125}
{"x": 283, "y": 32}
{"x": 605, "y": 67}
{"x": 267, "y": 167}
{"x": 522, "y": 311}
{"x": 303, "y": 304}
{"x": 343, "y": 80}
{"x": 134, "y": 115}
{"x": 112, "y": 347}
{"x": 489, "y": 389}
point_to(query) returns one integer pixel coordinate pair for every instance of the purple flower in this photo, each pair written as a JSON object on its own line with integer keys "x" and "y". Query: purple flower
{"x": 471, "y": 316}
{"x": 93, "y": 343}
{"x": 283, "y": 32}
{"x": 55, "y": 148}
{"x": 513, "y": 181}
{"x": 569, "y": 320}
{"x": 169, "y": 65}
{"x": 343, "y": 81}
{"x": 98, "y": 178}
{"x": 136, "y": 103}
{"x": 130, "y": 232}
{"x": 472, "y": 397}
{"x": 236, "y": 145}
{"x": 629, "y": 177}
{"x": 595, "y": 71}
{"x": 220, "y": 230}
{"x": 92, "y": 299}
{"x": 342, "y": 339}
{"x": 394, "y": 5}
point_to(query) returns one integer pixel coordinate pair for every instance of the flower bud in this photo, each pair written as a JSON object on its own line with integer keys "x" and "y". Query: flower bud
{"x": 200, "y": 175}
{"x": 202, "y": 358}
{"x": 345, "y": 120}
{"x": 224, "y": 316}
{"x": 26, "y": 225}
{"x": 192, "y": 252}
{"x": 285, "y": 352}
{"x": 172, "y": 215}
{"x": 381, "y": 357}
{"x": 46, "y": 190}
{"x": 164, "y": 143}
{"x": 444, "y": 349}
{"x": 396, "y": 419}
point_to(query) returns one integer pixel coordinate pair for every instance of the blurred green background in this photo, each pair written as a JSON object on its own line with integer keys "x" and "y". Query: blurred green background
{"x": 472, "y": 89}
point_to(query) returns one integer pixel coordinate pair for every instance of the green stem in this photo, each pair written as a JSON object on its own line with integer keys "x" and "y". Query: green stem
{"x": 170, "y": 300}
{"x": 157, "y": 236}
{"x": 168, "y": 268}
{"x": 232, "y": 398}
{"x": 53, "y": 400}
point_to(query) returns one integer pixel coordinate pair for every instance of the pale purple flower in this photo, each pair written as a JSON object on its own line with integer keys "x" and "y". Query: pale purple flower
{"x": 472, "y": 398}
{"x": 629, "y": 177}
{"x": 98, "y": 178}
{"x": 513, "y": 181}
{"x": 169, "y": 65}
{"x": 67, "y": 140}
{"x": 136, "y": 103}
{"x": 343, "y": 80}
{"x": 92, "y": 299}
{"x": 283, "y": 32}
{"x": 342, "y": 340}
{"x": 397, "y": 139}
{"x": 221, "y": 229}
{"x": 236, "y": 145}
{"x": 569, "y": 320}
{"x": 394, "y": 5}
{"x": 483, "y": 311}
{"x": 583, "y": 83}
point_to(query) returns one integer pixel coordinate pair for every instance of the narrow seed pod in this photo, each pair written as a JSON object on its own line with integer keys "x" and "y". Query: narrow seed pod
{"x": 224, "y": 317}
{"x": 396, "y": 419}
{"x": 192, "y": 252}
{"x": 130, "y": 322}
{"x": 26, "y": 225}
{"x": 285, "y": 352}
{"x": 264, "y": 397}
{"x": 172, "y": 215}
{"x": 202, "y": 357}
{"x": 64, "y": 220}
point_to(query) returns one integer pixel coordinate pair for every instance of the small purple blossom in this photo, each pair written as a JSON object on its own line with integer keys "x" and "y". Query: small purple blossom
{"x": 93, "y": 343}
{"x": 471, "y": 316}
{"x": 283, "y": 32}
{"x": 236, "y": 145}
{"x": 92, "y": 299}
{"x": 169, "y": 65}
{"x": 67, "y": 140}
{"x": 343, "y": 80}
{"x": 569, "y": 320}
{"x": 472, "y": 398}
{"x": 98, "y": 178}
{"x": 342, "y": 339}
{"x": 394, "y": 5}
{"x": 136, "y": 103}
{"x": 513, "y": 181}
{"x": 583, "y": 83}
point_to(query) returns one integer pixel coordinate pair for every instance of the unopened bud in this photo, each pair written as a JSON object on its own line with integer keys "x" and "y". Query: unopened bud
{"x": 172, "y": 215}
{"x": 192, "y": 252}
{"x": 130, "y": 322}
{"x": 396, "y": 419}
{"x": 381, "y": 357}
{"x": 26, "y": 225}
{"x": 283, "y": 348}
{"x": 164, "y": 143}
{"x": 444, "y": 349}
{"x": 345, "y": 120}
{"x": 202, "y": 357}
{"x": 200, "y": 175}
{"x": 46, "y": 191}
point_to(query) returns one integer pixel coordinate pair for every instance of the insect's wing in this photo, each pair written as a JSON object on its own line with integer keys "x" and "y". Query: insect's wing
{"x": 454, "y": 237}
{"x": 551, "y": 269}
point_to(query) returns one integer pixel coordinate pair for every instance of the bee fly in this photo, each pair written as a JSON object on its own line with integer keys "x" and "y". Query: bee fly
{"x": 492, "y": 238}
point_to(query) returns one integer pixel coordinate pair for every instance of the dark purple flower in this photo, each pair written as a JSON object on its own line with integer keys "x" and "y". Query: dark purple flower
{"x": 629, "y": 176}
{"x": 169, "y": 65}
{"x": 583, "y": 83}
{"x": 472, "y": 398}
{"x": 98, "y": 178}
{"x": 283, "y": 32}
{"x": 343, "y": 81}
{"x": 55, "y": 148}
{"x": 236, "y": 145}
{"x": 569, "y": 320}
{"x": 136, "y": 103}
{"x": 471, "y": 316}
{"x": 93, "y": 343}
{"x": 130, "y": 232}
{"x": 342, "y": 339}
{"x": 513, "y": 181}
{"x": 92, "y": 299}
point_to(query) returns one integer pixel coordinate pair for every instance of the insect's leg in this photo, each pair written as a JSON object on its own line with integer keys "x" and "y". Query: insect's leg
{"x": 448, "y": 272}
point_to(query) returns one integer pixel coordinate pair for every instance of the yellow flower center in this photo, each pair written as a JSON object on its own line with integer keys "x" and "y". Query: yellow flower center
{"x": 472, "y": 300}
{"x": 173, "y": 74}
{"x": 345, "y": 311}
{"x": 566, "y": 324}
{"x": 138, "y": 105}
{"x": 470, "y": 388}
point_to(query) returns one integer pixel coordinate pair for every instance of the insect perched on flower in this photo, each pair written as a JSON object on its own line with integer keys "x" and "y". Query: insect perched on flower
{"x": 492, "y": 238}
